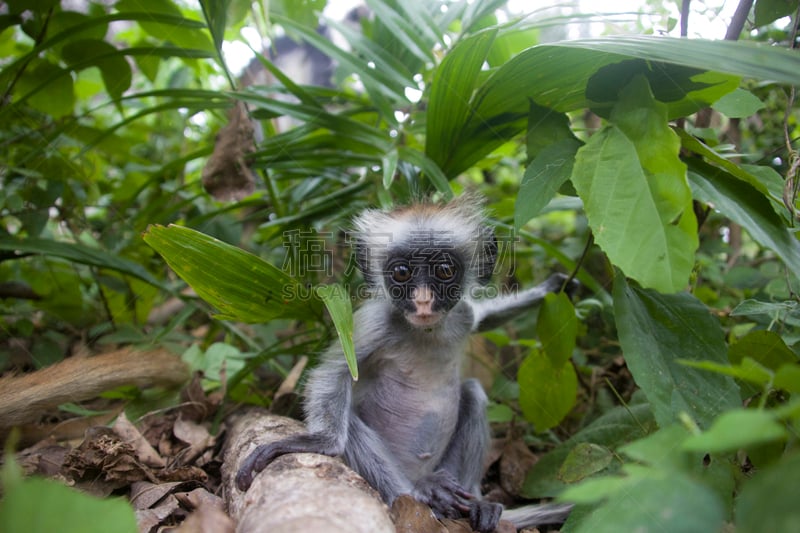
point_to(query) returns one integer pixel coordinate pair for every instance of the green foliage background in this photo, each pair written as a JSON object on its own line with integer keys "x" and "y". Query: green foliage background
{"x": 593, "y": 153}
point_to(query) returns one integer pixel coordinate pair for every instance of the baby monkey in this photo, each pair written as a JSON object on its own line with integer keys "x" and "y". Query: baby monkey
{"x": 409, "y": 425}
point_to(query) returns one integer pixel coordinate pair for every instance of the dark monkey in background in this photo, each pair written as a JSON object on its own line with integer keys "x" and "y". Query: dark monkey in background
{"x": 409, "y": 425}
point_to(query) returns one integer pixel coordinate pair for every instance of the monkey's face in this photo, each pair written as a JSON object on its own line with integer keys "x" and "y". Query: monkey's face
{"x": 424, "y": 284}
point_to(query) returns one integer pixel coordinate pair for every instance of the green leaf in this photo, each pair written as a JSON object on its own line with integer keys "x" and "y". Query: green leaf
{"x": 660, "y": 449}
{"x": 584, "y": 460}
{"x": 546, "y": 391}
{"x": 113, "y": 67}
{"x": 240, "y": 285}
{"x": 752, "y": 307}
{"x": 337, "y": 300}
{"x": 735, "y": 430}
{"x": 635, "y": 193}
{"x": 747, "y": 207}
{"x": 546, "y": 128}
{"x": 216, "y": 13}
{"x": 449, "y": 105}
{"x": 765, "y": 347}
{"x": 788, "y": 378}
{"x": 305, "y": 12}
{"x": 768, "y": 11}
{"x": 768, "y": 501}
{"x": 177, "y": 34}
{"x": 43, "y": 506}
{"x": 748, "y": 370}
{"x": 558, "y": 75}
{"x": 58, "y": 100}
{"x": 557, "y": 328}
{"x": 691, "y": 143}
{"x": 648, "y": 500}
{"x": 739, "y": 58}
{"x": 389, "y": 166}
{"x": 656, "y": 330}
{"x": 79, "y": 253}
{"x": 738, "y": 104}
{"x": 619, "y": 425}
{"x": 542, "y": 179}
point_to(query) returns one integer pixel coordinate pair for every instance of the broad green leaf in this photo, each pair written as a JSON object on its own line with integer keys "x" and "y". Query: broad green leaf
{"x": 635, "y": 193}
{"x": 58, "y": 100}
{"x": 542, "y": 179}
{"x": 212, "y": 361}
{"x": 735, "y": 430}
{"x": 176, "y": 34}
{"x": 546, "y": 391}
{"x": 752, "y": 307}
{"x": 738, "y": 104}
{"x": 619, "y": 425}
{"x": 546, "y": 128}
{"x": 584, "y": 460}
{"x": 711, "y": 157}
{"x": 305, "y": 12}
{"x": 558, "y": 75}
{"x": 337, "y": 300}
{"x": 747, "y": 207}
{"x": 765, "y": 347}
{"x": 739, "y": 58}
{"x": 79, "y": 253}
{"x": 42, "y": 506}
{"x": 768, "y": 501}
{"x": 650, "y": 500}
{"x": 557, "y": 328}
{"x": 113, "y": 67}
{"x": 238, "y": 284}
{"x": 788, "y": 378}
{"x": 655, "y": 330}
{"x": 660, "y": 449}
{"x": 767, "y": 11}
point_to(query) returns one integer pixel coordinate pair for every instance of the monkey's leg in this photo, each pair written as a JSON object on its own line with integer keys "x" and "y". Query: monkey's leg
{"x": 466, "y": 452}
{"x": 367, "y": 454}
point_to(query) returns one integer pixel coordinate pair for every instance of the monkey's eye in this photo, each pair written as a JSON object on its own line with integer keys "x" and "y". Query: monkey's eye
{"x": 444, "y": 271}
{"x": 401, "y": 273}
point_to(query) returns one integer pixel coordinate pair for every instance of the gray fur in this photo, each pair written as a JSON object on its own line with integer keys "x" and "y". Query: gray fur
{"x": 409, "y": 425}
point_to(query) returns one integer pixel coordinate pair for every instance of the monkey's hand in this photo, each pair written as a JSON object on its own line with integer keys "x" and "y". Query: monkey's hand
{"x": 448, "y": 499}
{"x": 264, "y": 454}
{"x": 557, "y": 281}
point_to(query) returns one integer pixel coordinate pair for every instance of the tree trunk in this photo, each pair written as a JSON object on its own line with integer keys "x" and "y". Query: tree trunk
{"x": 297, "y": 492}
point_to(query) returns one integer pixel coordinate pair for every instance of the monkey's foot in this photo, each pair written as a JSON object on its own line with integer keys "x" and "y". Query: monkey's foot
{"x": 448, "y": 499}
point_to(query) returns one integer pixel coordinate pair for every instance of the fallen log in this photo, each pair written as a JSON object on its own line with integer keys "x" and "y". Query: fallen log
{"x": 25, "y": 397}
{"x": 297, "y": 492}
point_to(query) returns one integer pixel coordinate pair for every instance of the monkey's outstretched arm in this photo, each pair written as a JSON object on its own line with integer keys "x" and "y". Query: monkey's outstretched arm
{"x": 494, "y": 312}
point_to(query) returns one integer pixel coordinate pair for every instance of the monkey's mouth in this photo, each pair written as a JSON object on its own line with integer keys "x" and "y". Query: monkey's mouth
{"x": 423, "y": 320}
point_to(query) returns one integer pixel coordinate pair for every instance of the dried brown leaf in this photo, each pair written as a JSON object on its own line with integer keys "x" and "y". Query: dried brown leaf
{"x": 131, "y": 435}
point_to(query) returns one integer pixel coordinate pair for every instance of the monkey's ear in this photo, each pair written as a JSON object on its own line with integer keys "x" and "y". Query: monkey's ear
{"x": 487, "y": 255}
{"x": 361, "y": 255}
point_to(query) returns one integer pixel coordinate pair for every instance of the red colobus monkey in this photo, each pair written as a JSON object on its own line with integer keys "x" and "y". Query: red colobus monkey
{"x": 409, "y": 425}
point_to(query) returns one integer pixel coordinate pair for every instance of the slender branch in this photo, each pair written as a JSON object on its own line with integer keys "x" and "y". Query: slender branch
{"x": 739, "y": 18}
{"x": 685, "y": 17}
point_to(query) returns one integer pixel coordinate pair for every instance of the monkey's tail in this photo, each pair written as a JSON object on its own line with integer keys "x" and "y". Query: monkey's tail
{"x": 537, "y": 515}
